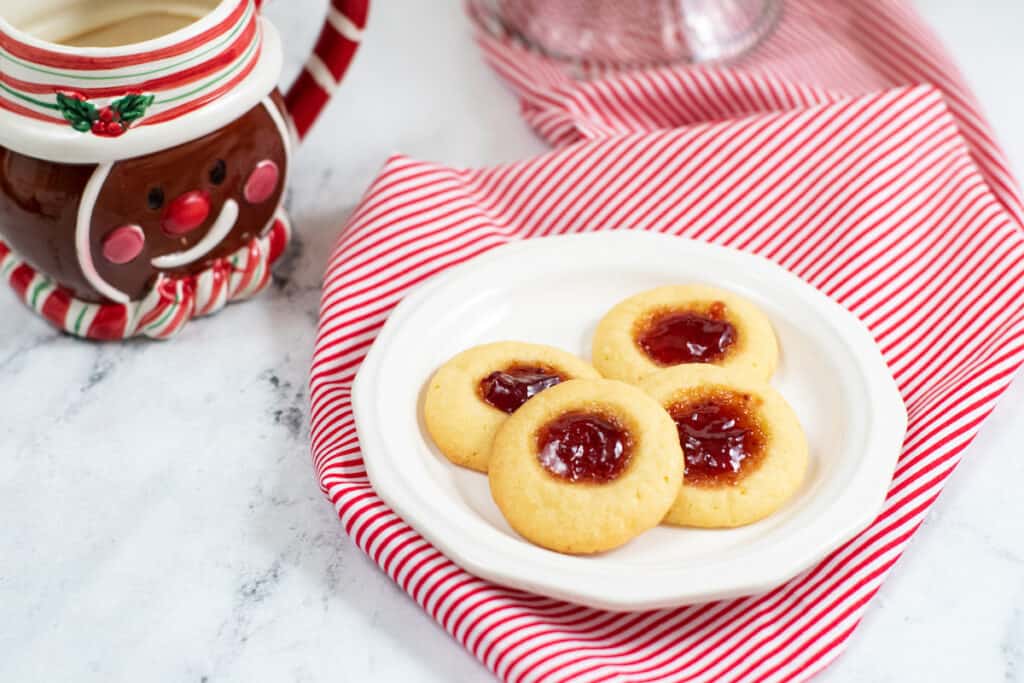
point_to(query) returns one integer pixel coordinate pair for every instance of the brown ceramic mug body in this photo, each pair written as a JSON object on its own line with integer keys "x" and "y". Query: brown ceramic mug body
{"x": 141, "y": 184}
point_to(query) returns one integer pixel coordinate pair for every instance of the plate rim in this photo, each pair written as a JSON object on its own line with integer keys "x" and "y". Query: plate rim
{"x": 883, "y": 444}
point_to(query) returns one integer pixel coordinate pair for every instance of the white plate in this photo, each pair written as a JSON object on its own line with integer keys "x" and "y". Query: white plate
{"x": 553, "y": 291}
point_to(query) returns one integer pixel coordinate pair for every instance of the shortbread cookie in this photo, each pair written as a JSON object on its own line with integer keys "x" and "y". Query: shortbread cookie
{"x": 679, "y": 324}
{"x": 586, "y": 466}
{"x": 745, "y": 451}
{"x": 471, "y": 395}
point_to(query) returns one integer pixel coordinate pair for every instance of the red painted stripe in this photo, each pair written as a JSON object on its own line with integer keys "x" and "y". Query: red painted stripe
{"x": 186, "y": 307}
{"x": 278, "y": 241}
{"x": 109, "y": 324}
{"x": 219, "y": 276}
{"x": 335, "y": 50}
{"x": 154, "y": 314}
{"x": 55, "y": 308}
{"x": 192, "y": 105}
{"x": 12, "y": 106}
{"x": 20, "y": 278}
{"x": 357, "y": 11}
{"x": 304, "y": 102}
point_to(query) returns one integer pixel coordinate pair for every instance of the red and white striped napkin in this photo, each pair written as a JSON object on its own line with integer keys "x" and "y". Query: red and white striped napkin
{"x": 892, "y": 200}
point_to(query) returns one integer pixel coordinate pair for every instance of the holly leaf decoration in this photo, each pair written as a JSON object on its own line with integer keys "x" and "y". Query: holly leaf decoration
{"x": 132, "y": 107}
{"x": 78, "y": 112}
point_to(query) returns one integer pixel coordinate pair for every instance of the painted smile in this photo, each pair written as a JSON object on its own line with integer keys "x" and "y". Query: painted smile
{"x": 214, "y": 236}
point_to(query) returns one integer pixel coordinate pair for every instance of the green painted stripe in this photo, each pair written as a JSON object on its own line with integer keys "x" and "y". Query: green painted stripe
{"x": 250, "y": 289}
{"x": 257, "y": 276}
{"x": 32, "y": 100}
{"x": 35, "y": 292}
{"x": 77, "y": 76}
{"x": 171, "y": 309}
{"x": 9, "y": 264}
{"x": 205, "y": 86}
{"x": 78, "y": 320}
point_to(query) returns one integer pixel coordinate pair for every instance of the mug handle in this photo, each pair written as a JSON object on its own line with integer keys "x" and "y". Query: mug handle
{"x": 331, "y": 56}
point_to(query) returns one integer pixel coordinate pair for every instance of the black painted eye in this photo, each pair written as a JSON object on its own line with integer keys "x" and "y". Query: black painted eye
{"x": 156, "y": 198}
{"x": 219, "y": 172}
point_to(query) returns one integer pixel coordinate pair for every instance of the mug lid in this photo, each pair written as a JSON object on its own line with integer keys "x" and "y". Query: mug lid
{"x": 95, "y": 105}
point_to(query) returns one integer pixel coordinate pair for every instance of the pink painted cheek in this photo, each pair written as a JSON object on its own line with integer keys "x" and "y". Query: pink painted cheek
{"x": 123, "y": 244}
{"x": 262, "y": 182}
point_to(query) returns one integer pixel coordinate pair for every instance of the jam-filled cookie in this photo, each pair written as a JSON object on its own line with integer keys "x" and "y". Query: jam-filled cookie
{"x": 471, "y": 395}
{"x": 680, "y": 324}
{"x": 586, "y": 466}
{"x": 744, "y": 449}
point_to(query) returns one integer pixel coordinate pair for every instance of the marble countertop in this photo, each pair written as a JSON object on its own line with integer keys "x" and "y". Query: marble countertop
{"x": 161, "y": 517}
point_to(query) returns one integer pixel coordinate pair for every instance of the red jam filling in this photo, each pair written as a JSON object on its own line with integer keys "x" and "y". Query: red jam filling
{"x": 674, "y": 337}
{"x": 512, "y": 387}
{"x": 721, "y": 437}
{"x": 584, "y": 447}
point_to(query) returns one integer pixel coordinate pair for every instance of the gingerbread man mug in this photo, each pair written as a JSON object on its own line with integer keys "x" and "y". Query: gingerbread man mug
{"x": 144, "y": 151}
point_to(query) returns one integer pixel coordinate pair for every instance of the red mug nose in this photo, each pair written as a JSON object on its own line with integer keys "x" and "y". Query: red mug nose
{"x": 186, "y": 213}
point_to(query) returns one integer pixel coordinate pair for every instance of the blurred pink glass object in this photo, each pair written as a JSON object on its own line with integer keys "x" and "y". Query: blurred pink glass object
{"x": 635, "y": 31}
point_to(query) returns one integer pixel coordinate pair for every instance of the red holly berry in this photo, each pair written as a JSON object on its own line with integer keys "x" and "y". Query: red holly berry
{"x": 108, "y": 129}
{"x": 107, "y": 114}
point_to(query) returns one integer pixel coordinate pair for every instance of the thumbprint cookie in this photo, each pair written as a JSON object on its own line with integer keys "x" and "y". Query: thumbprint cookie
{"x": 745, "y": 453}
{"x": 586, "y": 466}
{"x": 472, "y": 394}
{"x": 680, "y": 324}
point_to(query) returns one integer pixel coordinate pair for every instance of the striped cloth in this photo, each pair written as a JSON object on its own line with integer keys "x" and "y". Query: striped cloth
{"x": 895, "y": 202}
{"x": 820, "y": 52}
